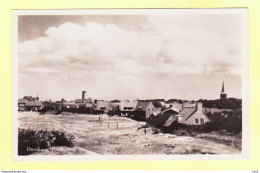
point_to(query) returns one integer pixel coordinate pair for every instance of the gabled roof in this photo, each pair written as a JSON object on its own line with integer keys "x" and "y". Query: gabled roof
{"x": 142, "y": 105}
{"x": 103, "y": 104}
{"x": 33, "y": 103}
{"x": 22, "y": 101}
{"x": 186, "y": 113}
{"x": 171, "y": 110}
{"x": 130, "y": 105}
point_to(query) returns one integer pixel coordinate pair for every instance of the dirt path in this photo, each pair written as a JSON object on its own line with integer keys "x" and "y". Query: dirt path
{"x": 119, "y": 135}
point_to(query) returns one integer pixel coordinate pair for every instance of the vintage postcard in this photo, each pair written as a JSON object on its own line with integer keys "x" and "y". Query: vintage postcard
{"x": 130, "y": 84}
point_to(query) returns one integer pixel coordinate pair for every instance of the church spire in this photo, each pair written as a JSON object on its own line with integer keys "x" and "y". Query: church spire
{"x": 223, "y": 89}
{"x": 223, "y": 95}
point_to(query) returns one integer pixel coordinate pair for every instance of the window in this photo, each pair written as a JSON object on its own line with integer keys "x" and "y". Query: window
{"x": 148, "y": 109}
{"x": 196, "y": 121}
{"x": 202, "y": 121}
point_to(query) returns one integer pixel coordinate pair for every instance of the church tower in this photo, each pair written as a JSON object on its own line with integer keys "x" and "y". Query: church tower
{"x": 223, "y": 95}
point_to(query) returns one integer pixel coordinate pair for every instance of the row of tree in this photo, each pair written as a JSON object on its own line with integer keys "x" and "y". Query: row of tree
{"x": 230, "y": 103}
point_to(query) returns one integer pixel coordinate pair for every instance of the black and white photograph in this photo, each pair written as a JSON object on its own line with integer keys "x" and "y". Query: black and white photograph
{"x": 130, "y": 82}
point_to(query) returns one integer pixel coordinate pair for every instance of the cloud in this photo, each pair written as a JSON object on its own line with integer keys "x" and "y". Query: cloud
{"x": 94, "y": 45}
{"x": 98, "y": 47}
{"x": 107, "y": 56}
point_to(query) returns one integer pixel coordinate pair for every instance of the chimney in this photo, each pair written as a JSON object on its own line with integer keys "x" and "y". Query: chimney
{"x": 199, "y": 106}
{"x": 83, "y": 95}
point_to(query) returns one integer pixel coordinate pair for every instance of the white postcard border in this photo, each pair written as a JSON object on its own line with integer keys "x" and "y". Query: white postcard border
{"x": 245, "y": 97}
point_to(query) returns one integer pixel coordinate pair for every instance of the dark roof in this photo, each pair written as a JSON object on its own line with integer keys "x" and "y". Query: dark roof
{"x": 186, "y": 113}
{"x": 142, "y": 106}
{"x": 157, "y": 104}
{"x": 115, "y": 101}
{"x": 170, "y": 120}
{"x": 172, "y": 110}
{"x": 22, "y": 101}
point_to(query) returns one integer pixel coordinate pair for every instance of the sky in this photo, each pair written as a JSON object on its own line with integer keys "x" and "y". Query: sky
{"x": 182, "y": 56}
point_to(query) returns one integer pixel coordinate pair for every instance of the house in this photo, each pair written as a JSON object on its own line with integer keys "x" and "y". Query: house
{"x": 115, "y": 102}
{"x": 158, "y": 107}
{"x": 103, "y": 107}
{"x": 69, "y": 104}
{"x": 46, "y": 103}
{"x": 29, "y": 103}
{"x": 171, "y": 113}
{"x": 163, "y": 118}
{"x": 89, "y": 102}
{"x": 192, "y": 115}
{"x": 127, "y": 107}
{"x": 176, "y": 105}
{"x": 143, "y": 110}
{"x": 22, "y": 104}
{"x": 80, "y": 103}
{"x": 33, "y": 105}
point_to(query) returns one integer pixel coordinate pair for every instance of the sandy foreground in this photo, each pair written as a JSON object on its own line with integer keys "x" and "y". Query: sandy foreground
{"x": 117, "y": 136}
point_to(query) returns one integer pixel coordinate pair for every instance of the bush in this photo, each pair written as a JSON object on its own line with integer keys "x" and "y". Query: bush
{"x": 229, "y": 123}
{"x": 47, "y": 109}
{"x": 43, "y": 139}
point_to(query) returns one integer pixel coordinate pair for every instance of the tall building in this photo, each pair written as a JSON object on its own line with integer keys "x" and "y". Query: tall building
{"x": 223, "y": 95}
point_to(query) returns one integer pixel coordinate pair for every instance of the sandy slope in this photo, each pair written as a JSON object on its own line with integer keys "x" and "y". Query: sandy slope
{"x": 92, "y": 137}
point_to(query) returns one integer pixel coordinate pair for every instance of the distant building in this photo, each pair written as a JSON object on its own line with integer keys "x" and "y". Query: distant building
{"x": 46, "y": 104}
{"x": 223, "y": 95}
{"x": 80, "y": 103}
{"x": 29, "y": 103}
{"x": 189, "y": 104}
{"x": 84, "y": 102}
{"x": 158, "y": 107}
{"x": 193, "y": 115}
{"x": 127, "y": 107}
{"x": 103, "y": 106}
{"x": 33, "y": 105}
{"x": 176, "y": 105}
{"x": 115, "y": 102}
{"x": 143, "y": 110}
{"x": 89, "y": 102}
{"x": 69, "y": 104}
{"x": 22, "y": 104}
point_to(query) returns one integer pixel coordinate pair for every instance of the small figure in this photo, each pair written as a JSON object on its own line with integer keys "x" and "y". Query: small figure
{"x": 98, "y": 119}
{"x": 144, "y": 130}
{"x": 116, "y": 125}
